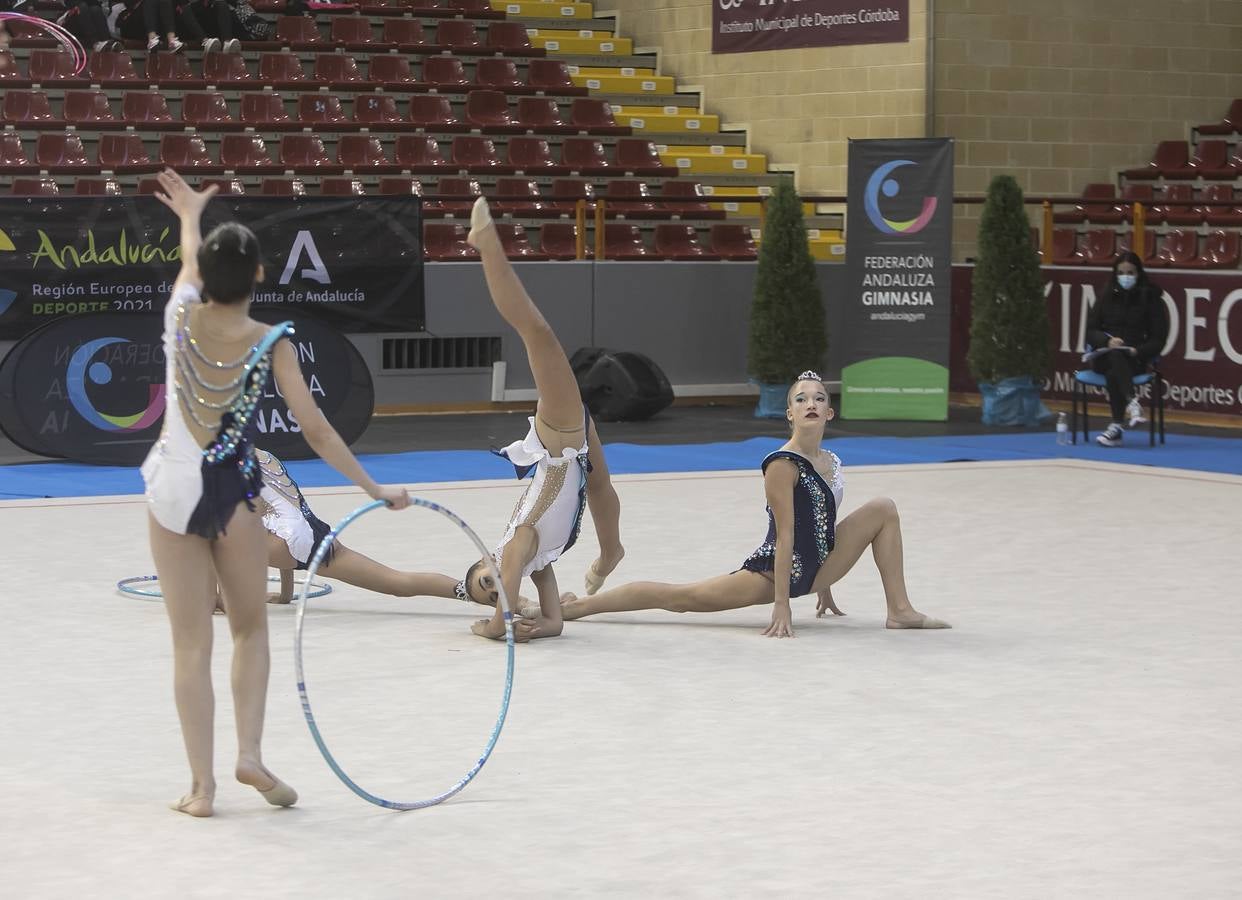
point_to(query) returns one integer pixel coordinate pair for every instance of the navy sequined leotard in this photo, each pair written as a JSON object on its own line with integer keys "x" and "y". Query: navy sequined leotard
{"x": 815, "y": 503}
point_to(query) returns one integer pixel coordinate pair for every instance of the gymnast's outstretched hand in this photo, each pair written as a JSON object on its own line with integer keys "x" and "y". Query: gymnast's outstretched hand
{"x": 180, "y": 197}
{"x": 826, "y": 605}
{"x": 782, "y": 621}
{"x": 395, "y": 497}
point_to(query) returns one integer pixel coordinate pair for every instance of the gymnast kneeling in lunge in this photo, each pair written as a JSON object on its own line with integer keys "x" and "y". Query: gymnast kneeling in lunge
{"x": 294, "y": 534}
{"x": 806, "y": 549}
{"x": 563, "y": 450}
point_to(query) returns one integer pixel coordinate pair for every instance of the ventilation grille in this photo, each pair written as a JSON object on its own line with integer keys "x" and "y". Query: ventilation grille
{"x": 440, "y": 353}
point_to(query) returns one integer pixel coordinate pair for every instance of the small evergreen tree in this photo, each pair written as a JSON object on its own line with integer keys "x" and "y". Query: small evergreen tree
{"x": 787, "y": 333}
{"x": 1009, "y": 316}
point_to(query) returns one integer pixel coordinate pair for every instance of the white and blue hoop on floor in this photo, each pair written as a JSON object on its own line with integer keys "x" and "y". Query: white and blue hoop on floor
{"x": 134, "y": 587}
{"x": 302, "y": 692}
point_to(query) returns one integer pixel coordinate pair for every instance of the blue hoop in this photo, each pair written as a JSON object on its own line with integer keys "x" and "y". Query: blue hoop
{"x": 301, "y": 675}
{"x": 126, "y": 586}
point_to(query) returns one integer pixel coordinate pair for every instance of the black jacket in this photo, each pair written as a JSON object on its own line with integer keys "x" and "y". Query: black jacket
{"x": 1137, "y": 316}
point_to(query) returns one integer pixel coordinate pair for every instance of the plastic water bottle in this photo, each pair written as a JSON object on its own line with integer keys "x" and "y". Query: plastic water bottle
{"x": 1063, "y": 435}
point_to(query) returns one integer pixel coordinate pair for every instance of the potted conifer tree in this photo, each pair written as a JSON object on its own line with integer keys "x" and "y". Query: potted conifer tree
{"x": 1009, "y": 339}
{"x": 787, "y": 333}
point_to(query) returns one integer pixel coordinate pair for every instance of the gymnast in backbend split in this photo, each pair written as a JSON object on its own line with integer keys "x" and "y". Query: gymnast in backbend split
{"x": 806, "y": 549}
{"x": 563, "y": 451}
{"x": 202, "y": 480}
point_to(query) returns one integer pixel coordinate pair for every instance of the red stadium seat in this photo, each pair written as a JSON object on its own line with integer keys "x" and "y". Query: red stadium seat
{"x": 691, "y": 200}
{"x": 263, "y": 108}
{"x": 246, "y": 154}
{"x": 301, "y": 152}
{"x": 1222, "y": 215}
{"x": 1125, "y": 244}
{"x": 585, "y": 155}
{"x": 362, "y": 151}
{"x": 1230, "y": 124}
{"x": 88, "y": 108}
{"x": 406, "y": 34}
{"x": 1138, "y": 193}
{"x": 186, "y": 151}
{"x": 393, "y": 72}
{"x": 520, "y": 197}
{"x": 680, "y": 242}
{"x": 640, "y": 156}
{"x": 483, "y": 7}
{"x": 445, "y": 242}
{"x": 444, "y": 72}
{"x": 399, "y": 185}
{"x": 276, "y": 69}
{"x": 208, "y": 109}
{"x": 342, "y": 187}
{"x": 283, "y": 187}
{"x": 228, "y": 68}
{"x": 1170, "y": 156}
{"x": 461, "y": 187}
{"x": 532, "y": 154}
{"x": 1211, "y": 161}
{"x": 595, "y": 116}
{"x": 111, "y": 69}
{"x": 566, "y": 192}
{"x": 123, "y": 153}
{"x": 12, "y": 156}
{"x": 624, "y": 241}
{"x": 165, "y": 68}
{"x": 1177, "y": 249}
{"x": 1099, "y": 247}
{"x": 489, "y": 110}
{"x": 558, "y": 240}
{"x": 551, "y": 76}
{"x": 542, "y": 115}
{"x": 510, "y": 37}
{"x": 354, "y": 32}
{"x": 52, "y": 65}
{"x": 500, "y": 73}
{"x": 298, "y": 32}
{"x": 516, "y": 244}
{"x": 321, "y": 109}
{"x": 34, "y": 187}
{"x": 227, "y": 186}
{"x": 458, "y": 35}
{"x": 734, "y": 242}
{"x": 376, "y": 109}
{"x": 97, "y": 187}
{"x": 435, "y": 112}
{"x": 629, "y": 197}
{"x": 1065, "y": 250}
{"x": 146, "y": 108}
{"x": 337, "y": 69}
{"x": 1178, "y": 215}
{"x": 27, "y": 108}
{"x": 8, "y": 67}
{"x": 478, "y": 154}
{"x": 419, "y": 153}
{"x": 1220, "y": 251}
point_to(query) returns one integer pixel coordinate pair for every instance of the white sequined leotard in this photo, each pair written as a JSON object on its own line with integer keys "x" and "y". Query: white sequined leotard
{"x": 286, "y": 513}
{"x": 554, "y": 500}
{"x": 192, "y": 489}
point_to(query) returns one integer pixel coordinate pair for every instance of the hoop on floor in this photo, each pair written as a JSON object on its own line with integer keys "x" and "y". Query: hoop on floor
{"x": 131, "y": 587}
{"x": 58, "y": 32}
{"x": 302, "y": 692}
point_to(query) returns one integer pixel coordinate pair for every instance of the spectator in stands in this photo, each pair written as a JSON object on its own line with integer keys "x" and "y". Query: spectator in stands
{"x": 145, "y": 18}
{"x": 86, "y": 21}
{"x": 1129, "y": 323}
{"x": 218, "y": 20}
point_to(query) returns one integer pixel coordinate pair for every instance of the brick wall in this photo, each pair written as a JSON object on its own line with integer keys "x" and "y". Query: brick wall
{"x": 1060, "y": 93}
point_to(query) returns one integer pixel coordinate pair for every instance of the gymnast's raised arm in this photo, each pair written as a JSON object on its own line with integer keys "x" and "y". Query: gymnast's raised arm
{"x": 188, "y": 204}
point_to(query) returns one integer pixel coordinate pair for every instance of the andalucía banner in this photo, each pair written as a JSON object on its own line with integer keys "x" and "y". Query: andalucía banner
{"x": 899, "y": 243}
{"x": 355, "y": 264}
{"x": 741, "y": 26}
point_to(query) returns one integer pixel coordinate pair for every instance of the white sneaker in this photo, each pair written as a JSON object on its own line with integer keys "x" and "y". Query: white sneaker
{"x": 175, "y": 45}
{"x": 153, "y": 44}
{"x": 232, "y": 45}
{"x": 211, "y": 45}
{"x": 1134, "y": 412}
{"x": 1111, "y": 437}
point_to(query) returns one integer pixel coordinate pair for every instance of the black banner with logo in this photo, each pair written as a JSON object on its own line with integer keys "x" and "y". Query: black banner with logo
{"x": 898, "y": 252}
{"x": 355, "y": 263}
{"x": 91, "y": 388}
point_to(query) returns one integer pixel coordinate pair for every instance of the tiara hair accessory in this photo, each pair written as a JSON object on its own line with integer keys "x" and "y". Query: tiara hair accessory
{"x": 459, "y": 590}
{"x": 810, "y": 375}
